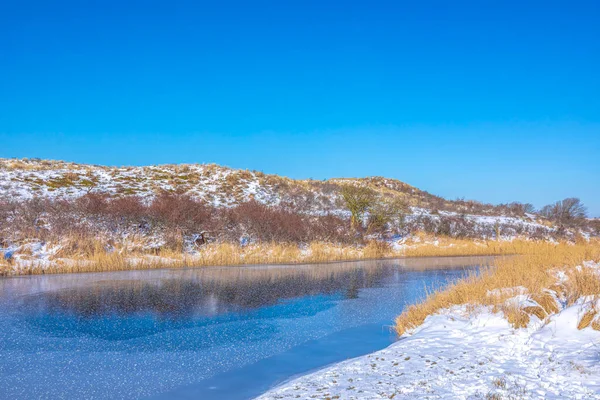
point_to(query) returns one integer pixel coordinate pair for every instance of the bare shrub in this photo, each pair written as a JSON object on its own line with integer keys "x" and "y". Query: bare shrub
{"x": 130, "y": 207}
{"x": 330, "y": 228}
{"x": 92, "y": 203}
{"x": 180, "y": 211}
{"x": 266, "y": 223}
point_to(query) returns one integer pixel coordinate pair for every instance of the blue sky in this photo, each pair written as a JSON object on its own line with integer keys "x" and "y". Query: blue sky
{"x": 491, "y": 100}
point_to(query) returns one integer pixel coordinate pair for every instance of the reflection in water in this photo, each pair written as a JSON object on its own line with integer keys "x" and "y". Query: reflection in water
{"x": 185, "y": 298}
{"x": 134, "y": 308}
{"x": 199, "y": 297}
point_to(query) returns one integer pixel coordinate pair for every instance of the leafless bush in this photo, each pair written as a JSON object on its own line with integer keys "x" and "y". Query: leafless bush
{"x": 330, "y": 228}
{"x": 180, "y": 212}
{"x": 92, "y": 203}
{"x": 265, "y": 223}
{"x": 130, "y": 207}
{"x": 452, "y": 226}
{"x": 173, "y": 219}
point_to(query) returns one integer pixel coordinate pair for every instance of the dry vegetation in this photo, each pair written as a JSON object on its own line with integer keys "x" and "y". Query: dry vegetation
{"x": 94, "y": 218}
{"x": 426, "y": 245}
{"x": 87, "y": 254}
{"x": 535, "y": 270}
{"x": 99, "y": 233}
{"x": 214, "y": 254}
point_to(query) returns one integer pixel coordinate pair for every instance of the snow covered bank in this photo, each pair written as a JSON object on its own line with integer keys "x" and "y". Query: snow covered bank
{"x": 511, "y": 344}
{"x": 459, "y": 357}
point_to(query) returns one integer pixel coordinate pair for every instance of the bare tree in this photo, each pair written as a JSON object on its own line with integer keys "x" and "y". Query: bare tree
{"x": 569, "y": 211}
{"x": 528, "y": 208}
{"x": 358, "y": 199}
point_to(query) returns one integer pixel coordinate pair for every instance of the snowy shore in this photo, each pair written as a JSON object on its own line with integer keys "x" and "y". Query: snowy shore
{"x": 475, "y": 356}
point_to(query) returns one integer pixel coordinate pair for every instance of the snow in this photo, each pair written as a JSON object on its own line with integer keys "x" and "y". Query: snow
{"x": 471, "y": 354}
{"x": 206, "y": 183}
{"x": 453, "y": 356}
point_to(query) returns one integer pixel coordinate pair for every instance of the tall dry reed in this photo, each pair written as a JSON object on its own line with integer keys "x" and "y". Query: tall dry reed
{"x": 535, "y": 270}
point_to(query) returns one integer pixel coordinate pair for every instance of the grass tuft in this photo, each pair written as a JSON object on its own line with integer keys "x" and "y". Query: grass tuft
{"x": 587, "y": 319}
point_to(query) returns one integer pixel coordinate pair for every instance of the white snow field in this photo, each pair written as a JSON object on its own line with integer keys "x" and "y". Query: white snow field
{"x": 480, "y": 356}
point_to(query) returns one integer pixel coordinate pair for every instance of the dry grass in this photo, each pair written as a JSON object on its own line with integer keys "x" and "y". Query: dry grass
{"x": 534, "y": 270}
{"x": 5, "y": 268}
{"x": 89, "y": 256}
{"x": 85, "y": 254}
{"x": 428, "y": 246}
{"x": 581, "y": 283}
{"x": 81, "y": 253}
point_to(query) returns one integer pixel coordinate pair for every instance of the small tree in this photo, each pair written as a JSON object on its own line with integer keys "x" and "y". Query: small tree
{"x": 358, "y": 199}
{"x": 386, "y": 213}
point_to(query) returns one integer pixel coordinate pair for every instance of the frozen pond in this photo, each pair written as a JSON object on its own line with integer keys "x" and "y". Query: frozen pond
{"x": 205, "y": 333}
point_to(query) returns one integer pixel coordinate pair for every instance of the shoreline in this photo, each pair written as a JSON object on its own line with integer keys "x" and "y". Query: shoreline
{"x": 269, "y": 264}
{"x": 35, "y": 257}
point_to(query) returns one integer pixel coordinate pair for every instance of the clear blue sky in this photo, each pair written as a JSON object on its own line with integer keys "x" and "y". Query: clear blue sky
{"x": 491, "y": 100}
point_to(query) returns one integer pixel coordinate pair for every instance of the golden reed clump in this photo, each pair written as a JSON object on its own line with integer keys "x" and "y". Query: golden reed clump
{"x": 534, "y": 269}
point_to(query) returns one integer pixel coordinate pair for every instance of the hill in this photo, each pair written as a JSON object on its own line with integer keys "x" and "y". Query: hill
{"x": 22, "y": 179}
{"x": 54, "y": 212}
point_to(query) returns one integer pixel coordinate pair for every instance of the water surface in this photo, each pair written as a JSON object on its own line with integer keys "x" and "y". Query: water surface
{"x": 202, "y": 333}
